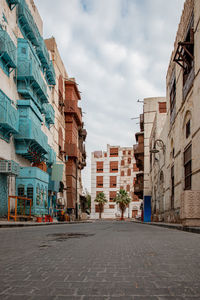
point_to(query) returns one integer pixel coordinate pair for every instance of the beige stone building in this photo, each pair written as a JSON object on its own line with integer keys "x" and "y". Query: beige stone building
{"x": 179, "y": 182}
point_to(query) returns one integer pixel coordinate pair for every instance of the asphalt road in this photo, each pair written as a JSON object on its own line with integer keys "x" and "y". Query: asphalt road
{"x": 100, "y": 260}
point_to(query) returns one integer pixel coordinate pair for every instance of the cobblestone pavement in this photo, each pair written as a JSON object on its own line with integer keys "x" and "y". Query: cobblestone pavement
{"x": 100, "y": 260}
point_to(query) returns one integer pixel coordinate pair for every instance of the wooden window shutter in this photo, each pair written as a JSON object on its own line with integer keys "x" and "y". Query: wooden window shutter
{"x": 99, "y": 181}
{"x": 162, "y": 107}
{"x": 99, "y": 166}
{"x": 112, "y": 195}
{"x": 114, "y": 166}
{"x": 113, "y": 181}
{"x": 113, "y": 152}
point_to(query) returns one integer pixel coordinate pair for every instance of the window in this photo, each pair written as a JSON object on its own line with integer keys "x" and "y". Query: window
{"x": 173, "y": 152}
{"x": 122, "y": 162}
{"x": 188, "y": 167}
{"x": 172, "y": 97}
{"x": 129, "y": 152}
{"x": 111, "y": 206}
{"x": 112, "y": 195}
{"x": 187, "y": 129}
{"x": 113, "y": 166}
{"x": 113, "y": 181}
{"x": 23, "y": 50}
{"x": 162, "y": 107}
{"x": 124, "y": 152}
{"x": 172, "y": 187}
{"x": 30, "y": 194}
{"x": 122, "y": 173}
{"x": 113, "y": 152}
{"x": 121, "y": 187}
{"x": 129, "y": 160}
{"x": 99, "y": 181}
{"x": 21, "y": 190}
{"x": 129, "y": 172}
{"x": 99, "y": 166}
{"x": 128, "y": 188}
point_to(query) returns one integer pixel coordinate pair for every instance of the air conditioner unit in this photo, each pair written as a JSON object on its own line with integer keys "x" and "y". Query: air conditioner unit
{"x": 9, "y": 167}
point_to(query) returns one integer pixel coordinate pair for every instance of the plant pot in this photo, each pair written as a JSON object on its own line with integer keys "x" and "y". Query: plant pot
{"x": 39, "y": 220}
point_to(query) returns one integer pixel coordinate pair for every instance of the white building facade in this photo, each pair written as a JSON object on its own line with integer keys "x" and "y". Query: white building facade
{"x": 111, "y": 171}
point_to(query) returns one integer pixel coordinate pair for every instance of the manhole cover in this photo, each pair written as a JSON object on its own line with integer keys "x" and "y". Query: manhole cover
{"x": 64, "y": 236}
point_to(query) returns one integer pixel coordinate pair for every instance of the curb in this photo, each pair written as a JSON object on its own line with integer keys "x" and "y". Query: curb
{"x": 13, "y": 225}
{"x": 172, "y": 226}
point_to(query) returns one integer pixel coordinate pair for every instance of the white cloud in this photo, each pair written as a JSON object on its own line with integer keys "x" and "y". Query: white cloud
{"x": 118, "y": 51}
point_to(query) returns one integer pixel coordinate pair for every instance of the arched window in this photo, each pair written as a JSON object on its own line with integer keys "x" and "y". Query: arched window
{"x": 38, "y": 194}
{"x": 187, "y": 123}
{"x": 42, "y": 195}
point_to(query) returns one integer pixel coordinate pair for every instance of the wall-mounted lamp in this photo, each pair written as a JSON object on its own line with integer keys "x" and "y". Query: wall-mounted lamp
{"x": 160, "y": 144}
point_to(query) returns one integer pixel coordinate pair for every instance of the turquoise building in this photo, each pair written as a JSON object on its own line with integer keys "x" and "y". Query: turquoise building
{"x": 28, "y": 70}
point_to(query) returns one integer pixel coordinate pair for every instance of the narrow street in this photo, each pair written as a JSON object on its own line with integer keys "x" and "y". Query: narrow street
{"x": 100, "y": 260}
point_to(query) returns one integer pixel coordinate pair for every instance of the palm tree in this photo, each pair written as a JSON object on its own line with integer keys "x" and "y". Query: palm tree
{"x": 123, "y": 200}
{"x": 101, "y": 200}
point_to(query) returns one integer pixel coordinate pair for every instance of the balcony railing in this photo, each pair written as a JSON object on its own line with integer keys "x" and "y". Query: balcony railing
{"x": 71, "y": 150}
{"x": 28, "y": 70}
{"x": 72, "y": 108}
{"x": 49, "y": 113}
{"x": 27, "y": 23}
{"x": 9, "y": 118}
{"x": 9, "y": 167}
{"x": 8, "y": 50}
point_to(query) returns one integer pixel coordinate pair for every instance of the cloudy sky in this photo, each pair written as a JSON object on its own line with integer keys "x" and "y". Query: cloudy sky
{"x": 118, "y": 51}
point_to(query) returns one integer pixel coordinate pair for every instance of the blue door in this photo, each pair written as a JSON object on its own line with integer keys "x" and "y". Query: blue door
{"x": 147, "y": 208}
{"x": 3, "y": 195}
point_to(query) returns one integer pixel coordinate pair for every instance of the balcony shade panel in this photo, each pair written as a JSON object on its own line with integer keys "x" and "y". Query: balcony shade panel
{"x": 8, "y": 50}
{"x": 9, "y": 117}
{"x": 29, "y": 72}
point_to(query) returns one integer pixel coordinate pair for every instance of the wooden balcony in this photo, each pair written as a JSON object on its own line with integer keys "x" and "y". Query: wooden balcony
{"x": 72, "y": 108}
{"x": 71, "y": 150}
